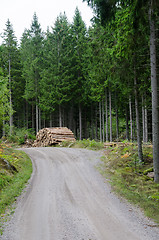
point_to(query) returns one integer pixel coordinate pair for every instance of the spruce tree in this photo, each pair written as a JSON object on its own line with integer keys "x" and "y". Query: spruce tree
{"x": 79, "y": 45}
{"x": 32, "y": 61}
{"x": 11, "y": 65}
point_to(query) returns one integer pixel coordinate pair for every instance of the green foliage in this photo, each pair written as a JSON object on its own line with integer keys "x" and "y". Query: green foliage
{"x": 5, "y": 109}
{"x": 31, "y": 55}
{"x": 19, "y": 134}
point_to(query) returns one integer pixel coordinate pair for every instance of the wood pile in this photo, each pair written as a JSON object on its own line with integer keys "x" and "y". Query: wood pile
{"x": 51, "y": 136}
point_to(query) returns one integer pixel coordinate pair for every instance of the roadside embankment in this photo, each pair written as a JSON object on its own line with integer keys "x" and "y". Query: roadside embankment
{"x": 15, "y": 170}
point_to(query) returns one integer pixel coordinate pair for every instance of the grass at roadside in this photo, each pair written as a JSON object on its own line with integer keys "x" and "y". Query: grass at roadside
{"x": 130, "y": 179}
{"x": 15, "y": 170}
{"x": 85, "y": 143}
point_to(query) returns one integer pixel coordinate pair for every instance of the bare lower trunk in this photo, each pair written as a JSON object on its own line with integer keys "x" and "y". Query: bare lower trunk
{"x": 27, "y": 125}
{"x": 96, "y": 124}
{"x": 138, "y": 128}
{"x": 92, "y": 123}
{"x": 37, "y": 118}
{"x": 44, "y": 123}
{"x": 103, "y": 120}
{"x": 100, "y": 121}
{"x": 143, "y": 119}
{"x": 60, "y": 116}
{"x": 154, "y": 89}
{"x": 127, "y": 124}
{"x": 63, "y": 117}
{"x": 50, "y": 120}
{"x": 146, "y": 125}
{"x": 80, "y": 122}
{"x": 85, "y": 134}
{"x": 131, "y": 119}
{"x": 117, "y": 125}
{"x": 117, "y": 118}
{"x": 70, "y": 122}
{"x": 110, "y": 113}
{"x": 106, "y": 113}
{"x": 33, "y": 126}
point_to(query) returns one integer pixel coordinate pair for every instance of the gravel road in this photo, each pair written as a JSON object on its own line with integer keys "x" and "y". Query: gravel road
{"x": 67, "y": 199}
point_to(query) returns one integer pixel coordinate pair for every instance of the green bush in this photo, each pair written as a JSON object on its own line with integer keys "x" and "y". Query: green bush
{"x": 19, "y": 134}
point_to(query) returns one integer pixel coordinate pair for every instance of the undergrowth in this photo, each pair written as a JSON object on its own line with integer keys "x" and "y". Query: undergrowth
{"x": 19, "y": 136}
{"x": 15, "y": 170}
{"x": 85, "y": 143}
{"x": 130, "y": 178}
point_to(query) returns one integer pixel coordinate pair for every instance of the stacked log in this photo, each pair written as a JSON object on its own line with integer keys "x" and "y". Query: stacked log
{"x": 51, "y": 136}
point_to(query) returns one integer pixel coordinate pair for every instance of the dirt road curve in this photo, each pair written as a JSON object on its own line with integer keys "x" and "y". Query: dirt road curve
{"x": 67, "y": 199}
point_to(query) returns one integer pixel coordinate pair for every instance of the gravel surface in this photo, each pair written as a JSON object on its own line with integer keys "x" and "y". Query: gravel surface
{"x": 67, "y": 199}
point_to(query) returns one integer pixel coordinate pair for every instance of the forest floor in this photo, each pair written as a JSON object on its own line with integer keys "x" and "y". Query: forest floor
{"x": 130, "y": 178}
{"x": 67, "y": 198}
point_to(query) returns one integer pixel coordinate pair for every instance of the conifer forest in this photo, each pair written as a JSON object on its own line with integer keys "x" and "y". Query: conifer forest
{"x": 101, "y": 82}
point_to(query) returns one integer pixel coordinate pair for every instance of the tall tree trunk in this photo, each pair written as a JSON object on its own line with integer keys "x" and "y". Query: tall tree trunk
{"x": 10, "y": 99}
{"x": 139, "y": 142}
{"x": 103, "y": 121}
{"x": 117, "y": 118}
{"x": 96, "y": 124}
{"x": 50, "y": 119}
{"x": 27, "y": 124}
{"x": 33, "y": 125}
{"x": 92, "y": 123}
{"x": 44, "y": 122}
{"x": 117, "y": 124}
{"x": 100, "y": 121}
{"x": 154, "y": 89}
{"x": 60, "y": 116}
{"x": 110, "y": 113}
{"x": 127, "y": 124}
{"x": 80, "y": 122}
{"x": 70, "y": 121}
{"x": 131, "y": 119}
{"x": 63, "y": 117}
{"x": 106, "y": 113}
{"x": 143, "y": 119}
{"x": 134, "y": 125}
{"x": 85, "y": 125}
{"x": 37, "y": 118}
{"x": 146, "y": 125}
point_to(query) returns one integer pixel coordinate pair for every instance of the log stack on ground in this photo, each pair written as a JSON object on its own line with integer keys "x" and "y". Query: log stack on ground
{"x": 51, "y": 136}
